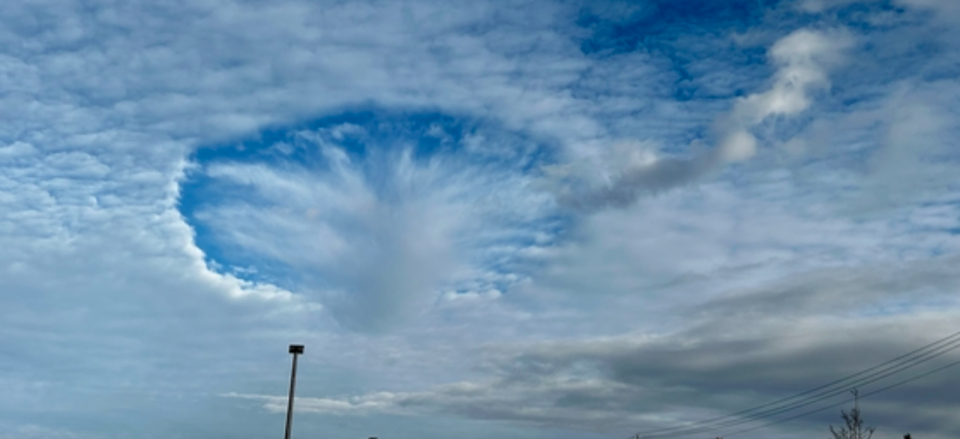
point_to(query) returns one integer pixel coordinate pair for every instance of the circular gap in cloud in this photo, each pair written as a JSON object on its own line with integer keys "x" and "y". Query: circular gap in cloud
{"x": 373, "y": 212}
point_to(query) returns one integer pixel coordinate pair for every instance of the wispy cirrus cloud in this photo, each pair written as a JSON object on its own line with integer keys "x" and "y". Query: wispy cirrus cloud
{"x": 377, "y": 234}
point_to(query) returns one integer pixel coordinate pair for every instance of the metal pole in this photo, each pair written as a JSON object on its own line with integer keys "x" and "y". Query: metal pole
{"x": 295, "y": 350}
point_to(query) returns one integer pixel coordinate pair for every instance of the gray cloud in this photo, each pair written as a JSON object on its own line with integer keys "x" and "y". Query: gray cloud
{"x": 737, "y": 351}
{"x": 618, "y": 386}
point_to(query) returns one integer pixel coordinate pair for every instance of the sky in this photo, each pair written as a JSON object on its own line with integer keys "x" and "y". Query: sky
{"x": 511, "y": 219}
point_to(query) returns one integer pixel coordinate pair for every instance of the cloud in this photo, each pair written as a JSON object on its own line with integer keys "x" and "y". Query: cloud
{"x": 125, "y": 316}
{"x": 377, "y": 259}
{"x": 945, "y": 9}
{"x": 625, "y": 384}
{"x": 818, "y": 6}
{"x": 913, "y": 161}
{"x": 354, "y": 406}
{"x": 895, "y": 139}
{"x": 802, "y": 58}
{"x": 377, "y": 237}
{"x": 627, "y": 171}
{"x": 736, "y": 347}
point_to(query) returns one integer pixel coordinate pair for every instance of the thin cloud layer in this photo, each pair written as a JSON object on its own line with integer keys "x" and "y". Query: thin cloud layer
{"x": 420, "y": 192}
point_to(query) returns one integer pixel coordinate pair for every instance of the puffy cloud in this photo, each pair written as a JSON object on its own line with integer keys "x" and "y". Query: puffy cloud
{"x": 802, "y": 58}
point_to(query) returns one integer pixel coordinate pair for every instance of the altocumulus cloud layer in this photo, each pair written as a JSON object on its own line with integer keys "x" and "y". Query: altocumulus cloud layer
{"x": 484, "y": 219}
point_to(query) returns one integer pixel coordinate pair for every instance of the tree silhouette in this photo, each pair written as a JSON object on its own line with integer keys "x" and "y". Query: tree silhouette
{"x": 854, "y": 428}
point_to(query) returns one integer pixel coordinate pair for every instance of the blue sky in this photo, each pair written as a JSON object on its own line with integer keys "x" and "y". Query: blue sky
{"x": 483, "y": 219}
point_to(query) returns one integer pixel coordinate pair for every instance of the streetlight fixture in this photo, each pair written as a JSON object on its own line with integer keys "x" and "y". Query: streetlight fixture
{"x": 295, "y": 349}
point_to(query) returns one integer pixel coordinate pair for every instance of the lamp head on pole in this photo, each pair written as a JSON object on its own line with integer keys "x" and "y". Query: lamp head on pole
{"x": 296, "y": 349}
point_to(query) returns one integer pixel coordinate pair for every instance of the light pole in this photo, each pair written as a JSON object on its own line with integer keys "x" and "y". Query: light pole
{"x": 295, "y": 349}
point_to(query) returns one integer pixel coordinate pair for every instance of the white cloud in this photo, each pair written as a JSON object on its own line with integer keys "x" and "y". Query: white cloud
{"x": 802, "y": 59}
{"x": 115, "y": 326}
{"x": 376, "y": 240}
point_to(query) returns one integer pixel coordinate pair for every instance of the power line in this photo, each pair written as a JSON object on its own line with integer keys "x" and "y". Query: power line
{"x": 814, "y": 398}
{"x": 880, "y": 371}
{"x": 911, "y": 356}
{"x": 948, "y": 339}
{"x": 880, "y": 390}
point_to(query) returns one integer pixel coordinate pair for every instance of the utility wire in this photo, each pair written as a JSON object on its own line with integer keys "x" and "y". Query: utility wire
{"x": 765, "y": 410}
{"x": 952, "y": 338}
{"x": 811, "y": 399}
{"x": 880, "y": 390}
